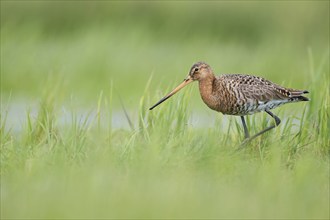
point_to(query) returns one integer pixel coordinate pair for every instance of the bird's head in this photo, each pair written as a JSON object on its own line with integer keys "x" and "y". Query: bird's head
{"x": 198, "y": 71}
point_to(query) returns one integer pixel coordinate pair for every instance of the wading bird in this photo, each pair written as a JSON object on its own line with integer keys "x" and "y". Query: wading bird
{"x": 238, "y": 94}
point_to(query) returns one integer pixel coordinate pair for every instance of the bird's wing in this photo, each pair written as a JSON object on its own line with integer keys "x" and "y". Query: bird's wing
{"x": 262, "y": 92}
{"x": 257, "y": 88}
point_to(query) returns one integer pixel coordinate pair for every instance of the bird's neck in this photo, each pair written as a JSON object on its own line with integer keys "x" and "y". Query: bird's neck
{"x": 206, "y": 90}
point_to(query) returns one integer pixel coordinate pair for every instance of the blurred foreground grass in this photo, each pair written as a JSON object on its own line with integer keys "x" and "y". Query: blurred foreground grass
{"x": 61, "y": 54}
{"x": 165, "y": 168}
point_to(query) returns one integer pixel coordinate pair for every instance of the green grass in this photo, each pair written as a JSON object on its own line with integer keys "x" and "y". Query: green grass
{"x": 74, "y": 68}
{"x": 165, "y": 168}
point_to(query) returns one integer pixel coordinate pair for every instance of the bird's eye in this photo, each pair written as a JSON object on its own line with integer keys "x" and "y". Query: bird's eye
{"x": 196, "y": 69}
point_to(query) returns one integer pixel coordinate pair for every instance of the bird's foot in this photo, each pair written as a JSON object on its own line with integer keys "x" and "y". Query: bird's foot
{"x": 245, "y": 142}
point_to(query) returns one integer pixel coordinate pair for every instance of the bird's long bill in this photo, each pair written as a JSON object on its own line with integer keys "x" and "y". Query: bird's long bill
{"x": 183, "y": 84}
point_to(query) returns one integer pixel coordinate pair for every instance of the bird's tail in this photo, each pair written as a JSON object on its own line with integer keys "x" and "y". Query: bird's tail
{"x": 301, "y": 98}
{"x": 296, "y": 95}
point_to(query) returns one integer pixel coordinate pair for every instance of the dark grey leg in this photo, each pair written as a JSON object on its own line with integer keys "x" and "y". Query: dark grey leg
{"x": 246, "y": 132}
{"x": 277, "y": 122}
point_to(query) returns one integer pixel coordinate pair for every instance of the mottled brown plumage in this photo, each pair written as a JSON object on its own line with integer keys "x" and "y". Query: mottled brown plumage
{"x": 238, "y": 94}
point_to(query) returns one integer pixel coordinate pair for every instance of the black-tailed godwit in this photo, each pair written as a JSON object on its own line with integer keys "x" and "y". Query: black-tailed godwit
{"x": 239, "y": 94}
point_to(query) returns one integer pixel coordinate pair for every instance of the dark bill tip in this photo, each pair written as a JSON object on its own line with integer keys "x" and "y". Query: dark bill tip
{"x": 183, "y": 84}
{"x": 159, "y": 102}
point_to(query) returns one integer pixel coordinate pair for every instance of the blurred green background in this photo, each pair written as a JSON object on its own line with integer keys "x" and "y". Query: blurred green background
{"x": 89, "y": 44}
{"x": 58, "y": 57}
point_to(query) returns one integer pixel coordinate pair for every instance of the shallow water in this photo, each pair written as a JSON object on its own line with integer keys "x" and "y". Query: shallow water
{"x": 17, "y": 112}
